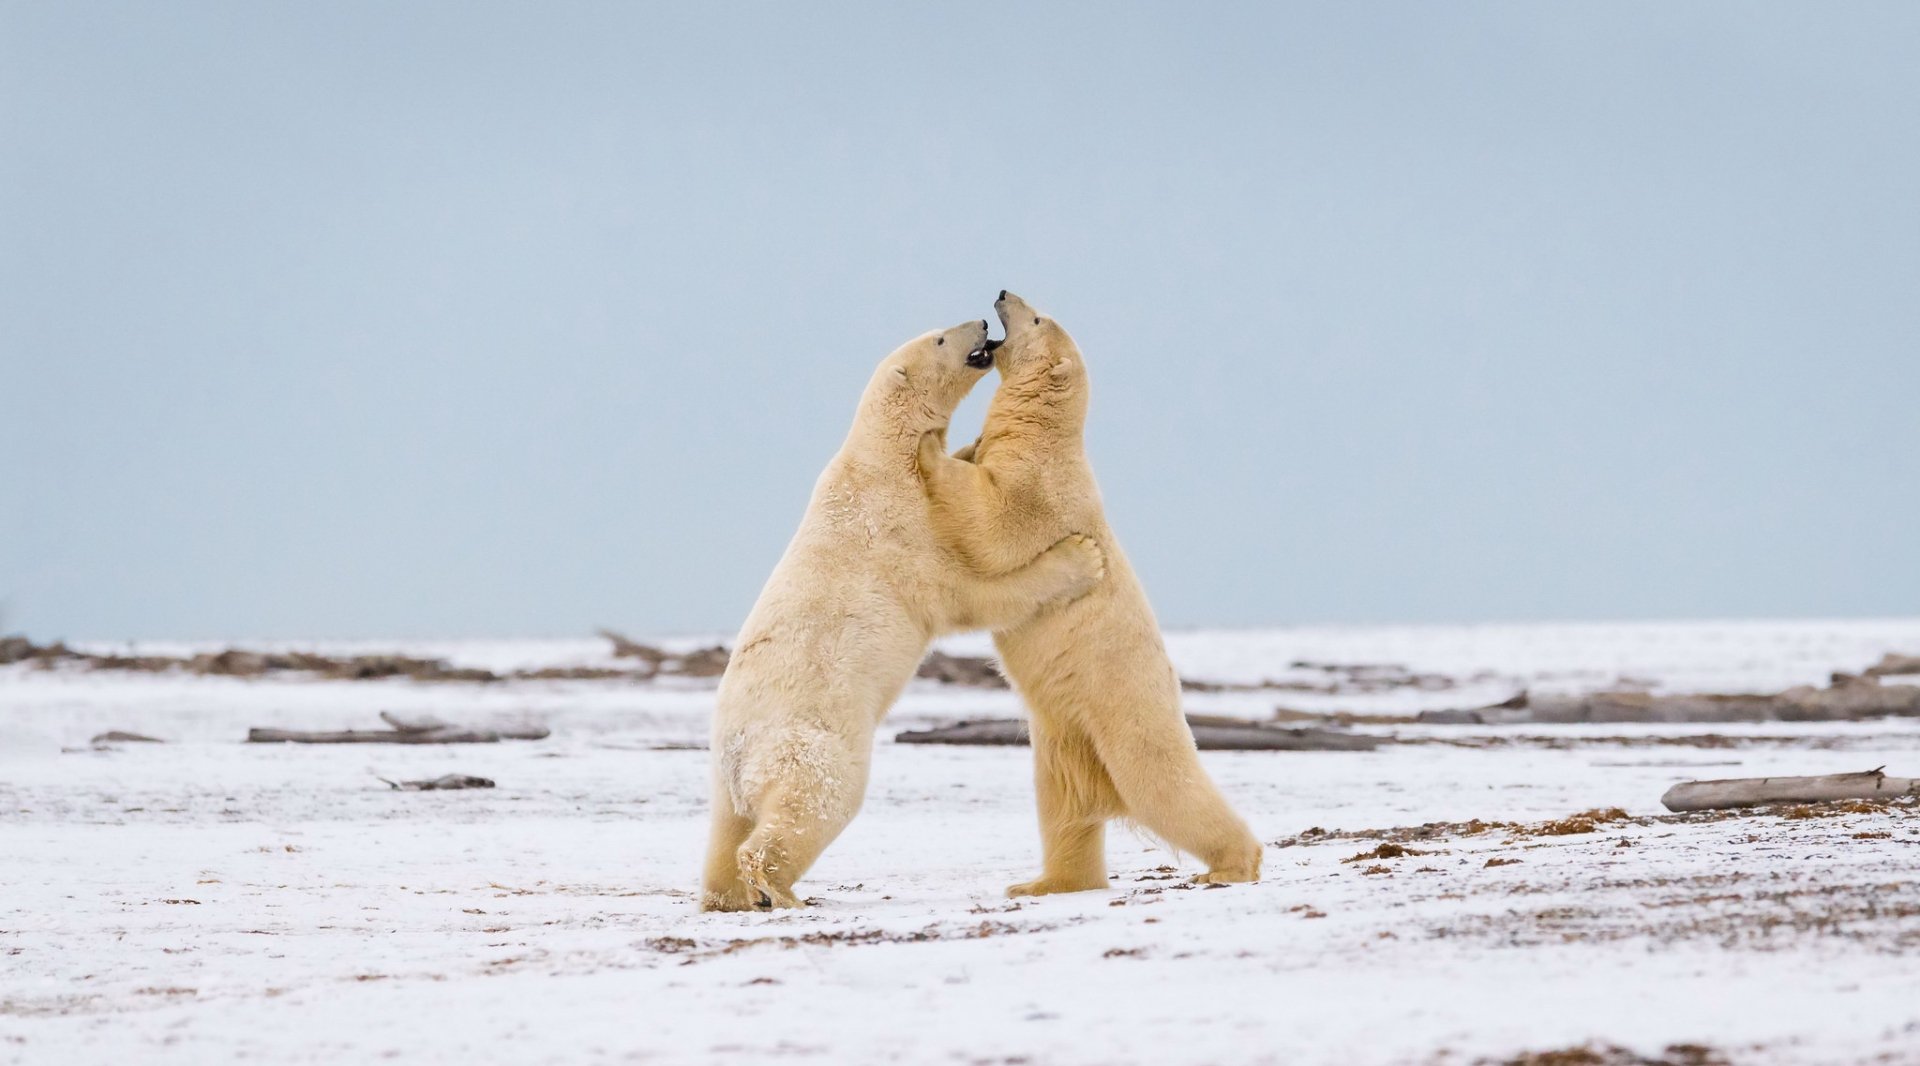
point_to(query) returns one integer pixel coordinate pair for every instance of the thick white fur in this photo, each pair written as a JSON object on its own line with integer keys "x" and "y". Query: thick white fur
{"x": 1109, "y": 737}
{"x": 843, "y": 622}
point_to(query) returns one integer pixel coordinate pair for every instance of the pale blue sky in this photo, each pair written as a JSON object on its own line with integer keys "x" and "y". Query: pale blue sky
{"x": 464, "y": 319}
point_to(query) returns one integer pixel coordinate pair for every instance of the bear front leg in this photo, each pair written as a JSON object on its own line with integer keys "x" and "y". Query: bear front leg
{"x": 812, "y": 781}
{"x": 723, "y": 888}
{"x": 966, "y": 506}
{"x": 796, "y": 825}
{"x": 1066, "y": 571}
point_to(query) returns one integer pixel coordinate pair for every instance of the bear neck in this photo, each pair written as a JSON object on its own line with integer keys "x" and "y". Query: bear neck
{"x": 889, "y": 412}
{"x": 886, "y": 438}
{"x": 1034, "y": 409}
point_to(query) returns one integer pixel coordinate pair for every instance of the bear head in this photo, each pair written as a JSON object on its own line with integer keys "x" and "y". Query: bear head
{"x": 1039, "y": 365}
{"x": 918, "y": 386}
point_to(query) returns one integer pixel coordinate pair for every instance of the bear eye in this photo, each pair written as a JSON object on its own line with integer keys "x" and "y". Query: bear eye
{"x": 1036, "y": 321}
{"x": 943, "y": 340}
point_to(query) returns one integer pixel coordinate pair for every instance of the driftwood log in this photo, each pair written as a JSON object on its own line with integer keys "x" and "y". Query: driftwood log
{"x": 1849, "y": 698}
{"x": 701, "y": 662}
{"x": 977, "y": 671}
{"x": 392, "y": 736}
{"x": 415, "y": 723}
{"x": 1760, "y": 791}
{"x": 422, "y": 729}
{"x": 443, "y": 783}
{"x": 1894, "y": 665}
{"x": 119, "y": 736}
{"x": 1210, "y": 733}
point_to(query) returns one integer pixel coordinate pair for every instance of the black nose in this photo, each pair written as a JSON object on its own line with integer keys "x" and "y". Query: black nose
{"x": 1003, "y": 296}
{"x": 983, "y": 323}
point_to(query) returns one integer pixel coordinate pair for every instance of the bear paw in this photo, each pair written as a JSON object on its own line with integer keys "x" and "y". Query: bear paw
{"x": 1047, "y": 886}
{"x": 1084, "y": 554}
{"x": 1228, "y": 875}
{"x": 734, "y": 899}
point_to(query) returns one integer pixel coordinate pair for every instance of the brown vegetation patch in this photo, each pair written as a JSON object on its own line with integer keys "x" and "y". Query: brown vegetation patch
{"x": 1584, "y": 822}
{"x": 1614, "y": 1055}
{"x": 1834, "y": 809}
{"x": 1398, "y": 834}
{"x": 1588, "y": 821}
{"x": 1385, "y": 851}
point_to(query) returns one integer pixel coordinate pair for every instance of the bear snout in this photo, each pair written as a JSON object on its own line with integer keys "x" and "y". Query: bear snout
{"x": 1012, "y": 310}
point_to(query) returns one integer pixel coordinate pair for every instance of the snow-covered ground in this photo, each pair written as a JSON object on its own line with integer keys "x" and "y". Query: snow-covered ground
{"x": 206, "y": 900}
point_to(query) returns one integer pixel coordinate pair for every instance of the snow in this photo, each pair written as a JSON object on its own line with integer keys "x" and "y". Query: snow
{"x": 208, "y": 901}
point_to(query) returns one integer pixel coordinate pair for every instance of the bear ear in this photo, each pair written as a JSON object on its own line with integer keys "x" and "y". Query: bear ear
{"x": 900, "y": 372}
{"x": 1062, "y": 368}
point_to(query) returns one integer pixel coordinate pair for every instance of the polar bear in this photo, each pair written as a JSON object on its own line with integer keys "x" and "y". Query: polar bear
{"x": 844, "y": 620}
{"x": 1109, "y": 738}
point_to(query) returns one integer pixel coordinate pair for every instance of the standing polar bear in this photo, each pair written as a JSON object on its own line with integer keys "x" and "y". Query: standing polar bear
{"x": 844, "y": 620}
{"x": 1109, "y": 739}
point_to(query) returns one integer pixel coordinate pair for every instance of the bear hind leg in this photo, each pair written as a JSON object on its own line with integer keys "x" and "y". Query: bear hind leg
{"x": 1165, "y": 789}
{"x": 1075, "y": 797}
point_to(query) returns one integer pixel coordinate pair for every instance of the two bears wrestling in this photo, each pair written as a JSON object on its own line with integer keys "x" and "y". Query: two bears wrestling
{"x": 902, "y": 543}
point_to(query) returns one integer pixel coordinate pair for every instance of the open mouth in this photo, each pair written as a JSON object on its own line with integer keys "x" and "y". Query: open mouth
{"x": 982, "y": 357}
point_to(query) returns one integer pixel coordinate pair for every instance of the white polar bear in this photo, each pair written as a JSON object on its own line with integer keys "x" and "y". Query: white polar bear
{"x": 842, "y": 623}
{"x": 1109, "y": 739}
